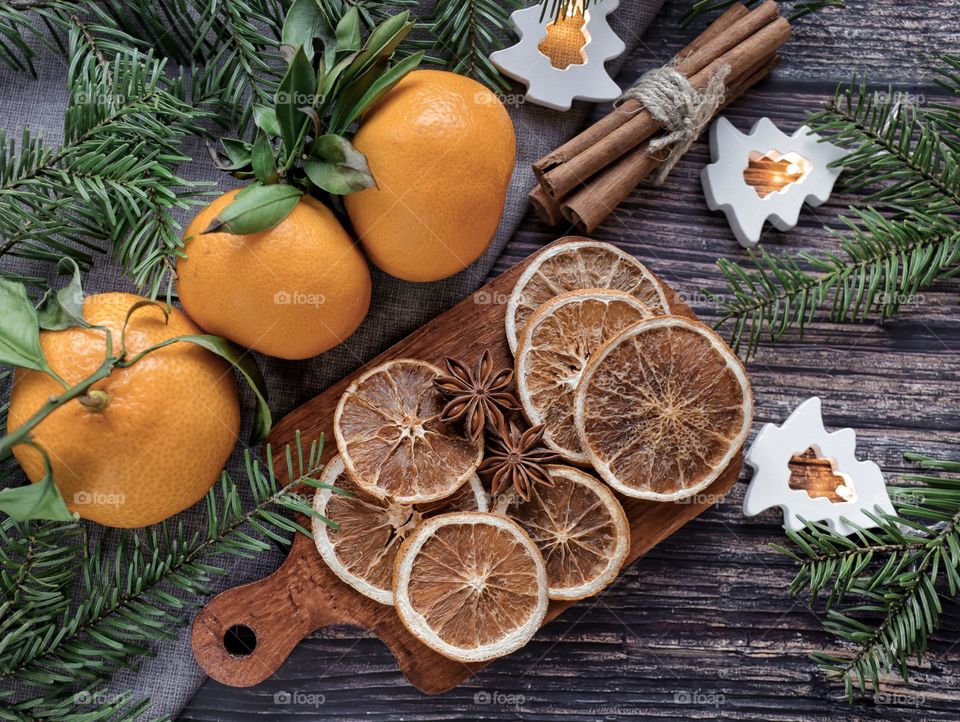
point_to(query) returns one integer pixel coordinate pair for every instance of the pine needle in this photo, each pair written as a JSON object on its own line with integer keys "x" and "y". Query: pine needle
{"x": 73, "y": 613}
{"x": 905, "y": 161}
{"x": 883, "y": 586}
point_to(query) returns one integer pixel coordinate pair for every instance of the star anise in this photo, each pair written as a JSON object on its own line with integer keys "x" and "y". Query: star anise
{"x": 515, "y": 457}
{"x": 479, "y": 398}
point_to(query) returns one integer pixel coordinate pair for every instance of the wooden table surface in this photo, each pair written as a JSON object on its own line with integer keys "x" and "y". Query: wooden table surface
{"x": 703, "y": 627}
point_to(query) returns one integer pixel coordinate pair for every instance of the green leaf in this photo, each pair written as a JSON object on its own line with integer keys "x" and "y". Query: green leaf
{"x": 381, "y": 86}
{"x": 257, "y": 209}
{"x": 64, "y": 308}
{"x": 263, "y": 162}
{"x": 337, "y": 167}
{"x": 297, "y": 89}
{"x": 20, "y": 330}
{"x": 41, "y": 500}
{"x": 304, "y": 22}
{"x": 367, "y": 69}
{"x": 382, "y": 42}
{"x": 348, "y": 31}
{"x": 238, "y": 152}
{"x": 266, "y": 120}
{"x": 242, "y": 360}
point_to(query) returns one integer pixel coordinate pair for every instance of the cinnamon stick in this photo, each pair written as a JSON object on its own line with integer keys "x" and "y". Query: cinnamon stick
{"x": 547, "y": 208}
{"x": 631, "y": 107}
{"x": 756, "y": 35}
{"x": 591, "y": 205}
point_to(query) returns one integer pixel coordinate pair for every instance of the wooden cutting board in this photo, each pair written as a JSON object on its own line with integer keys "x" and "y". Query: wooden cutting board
{"x": 303, "y": 595}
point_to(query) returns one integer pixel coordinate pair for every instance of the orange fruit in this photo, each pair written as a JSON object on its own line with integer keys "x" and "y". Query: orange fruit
{"x": 555, "y": 347}
{"x": 169, "y": 424}
{"x": 361, "y": 551}
{"x": 293, "y": 291}
{"x": 579, "y": 527}
{"x": 392, "y": 441}
{"x": 471, "y": 586}
{"x": 441, "y": 148}
{"x": 662, "y": 409}
{"x": 575, "y": 264}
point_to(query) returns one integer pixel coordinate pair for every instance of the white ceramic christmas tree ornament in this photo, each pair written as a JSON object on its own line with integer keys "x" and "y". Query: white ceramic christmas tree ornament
{"x": 805, "y": 176}
{"x": 860, "y": 482}
{"x": 563, "y": 60}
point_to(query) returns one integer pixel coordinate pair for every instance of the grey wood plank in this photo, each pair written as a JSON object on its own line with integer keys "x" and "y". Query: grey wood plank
{"x": 703, "y": 627}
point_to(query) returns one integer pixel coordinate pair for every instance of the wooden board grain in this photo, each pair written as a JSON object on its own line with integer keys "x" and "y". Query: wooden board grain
{"x": 304, "y": 595}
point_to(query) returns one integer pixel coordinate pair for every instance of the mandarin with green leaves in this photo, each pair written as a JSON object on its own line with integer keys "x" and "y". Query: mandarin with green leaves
{"x": 147, "y": 441}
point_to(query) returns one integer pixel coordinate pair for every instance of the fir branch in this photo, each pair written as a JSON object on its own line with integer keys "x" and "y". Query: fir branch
{"x": 138, "y": 593}
{"x": 906, "y": 163}
{"x": 111, "y": 186}
{"x": 895, "y": 573}
{"x": 468, "y": 31}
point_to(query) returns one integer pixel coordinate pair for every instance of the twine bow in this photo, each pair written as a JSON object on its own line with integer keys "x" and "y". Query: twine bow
{"x": 682, "y": 110}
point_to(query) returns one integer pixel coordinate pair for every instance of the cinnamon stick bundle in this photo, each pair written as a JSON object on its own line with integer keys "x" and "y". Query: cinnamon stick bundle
{"x": 587, "y": 177}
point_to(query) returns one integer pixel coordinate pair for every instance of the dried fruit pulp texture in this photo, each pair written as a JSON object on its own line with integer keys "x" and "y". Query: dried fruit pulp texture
{"x": 662, "y": 409}
{"x": 554, "y": 350}
{"x": 474, "y": 584}
{"x": 371, "y": 530}
{"x": 579, "y": 527}
{"x": 392, "y": 440}
{"x": 578, "y": 265}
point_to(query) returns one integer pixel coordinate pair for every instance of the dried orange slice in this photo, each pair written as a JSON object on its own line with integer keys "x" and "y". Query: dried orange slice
{"x": 663, "y": 408}
{"x": 392, "y": 441}
{"x": 576, "y": 264}
{"x": 471, "y": 586}
{"x": 361, "y": 551}
{"x": 579, "y": 527}
{"x": 558, "y": 340}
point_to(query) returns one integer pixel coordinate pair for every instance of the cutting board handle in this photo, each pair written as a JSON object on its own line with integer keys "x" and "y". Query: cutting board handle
{"x": 243, "y": 635}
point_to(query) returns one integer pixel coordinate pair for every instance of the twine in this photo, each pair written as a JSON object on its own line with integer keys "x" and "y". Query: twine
{"x": 682, "y": 110}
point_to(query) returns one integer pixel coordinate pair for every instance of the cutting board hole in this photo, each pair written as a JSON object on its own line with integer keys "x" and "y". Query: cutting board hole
{"x": 240, "y": 640}
{"x": 813, "y": 473}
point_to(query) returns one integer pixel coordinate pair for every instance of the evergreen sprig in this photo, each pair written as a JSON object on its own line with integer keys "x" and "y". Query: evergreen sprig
{"x": 76, "y": 612}
{"x": 231, "y": 45}
{"x": 905, "y": 161}
{"x": 112, "y": 186}
{"x": 467, "y": 31}
{"x": 883, "y": 586}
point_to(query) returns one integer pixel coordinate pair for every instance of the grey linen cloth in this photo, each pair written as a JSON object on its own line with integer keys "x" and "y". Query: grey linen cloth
{"x": 171, "y": 677}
